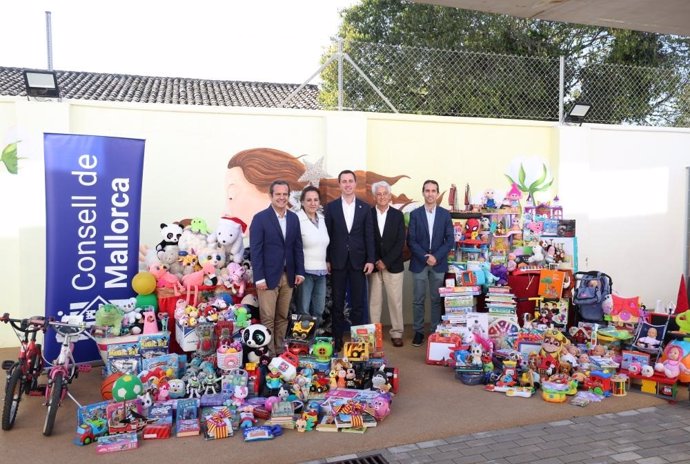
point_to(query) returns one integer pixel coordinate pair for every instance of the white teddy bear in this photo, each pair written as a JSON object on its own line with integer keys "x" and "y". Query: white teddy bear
{"x": 228, "y": 234}
{"x": 131, "y": 316}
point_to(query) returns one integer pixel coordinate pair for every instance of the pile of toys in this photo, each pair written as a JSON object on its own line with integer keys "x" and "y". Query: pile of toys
{"x": 231, "y": 384}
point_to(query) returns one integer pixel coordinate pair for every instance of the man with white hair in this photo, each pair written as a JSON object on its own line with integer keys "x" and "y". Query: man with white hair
{"x": 389, "y": 238}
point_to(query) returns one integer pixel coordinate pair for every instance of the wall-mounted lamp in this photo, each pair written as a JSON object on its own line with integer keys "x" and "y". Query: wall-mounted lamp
{"x": 578, "y": 113}
{"x": 42, "y": 84}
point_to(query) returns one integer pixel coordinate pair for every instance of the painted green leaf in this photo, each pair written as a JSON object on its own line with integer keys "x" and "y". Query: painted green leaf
{"x": 510, "y": 179}
{"x": 522, "y": 175}
{"x": 9, "y": 157}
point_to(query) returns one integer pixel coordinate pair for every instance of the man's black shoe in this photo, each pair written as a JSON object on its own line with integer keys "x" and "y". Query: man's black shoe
{"x": 417, "y": 339}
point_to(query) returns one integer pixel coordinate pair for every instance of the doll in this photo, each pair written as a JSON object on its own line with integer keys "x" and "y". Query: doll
{"x": 672, "y": 366}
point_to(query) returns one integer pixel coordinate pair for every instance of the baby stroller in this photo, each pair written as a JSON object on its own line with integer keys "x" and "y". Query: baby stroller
{"x": 592, "y": 289}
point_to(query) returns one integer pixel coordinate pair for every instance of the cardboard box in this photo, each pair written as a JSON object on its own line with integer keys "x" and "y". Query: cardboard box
{"x": 186, "y": 337}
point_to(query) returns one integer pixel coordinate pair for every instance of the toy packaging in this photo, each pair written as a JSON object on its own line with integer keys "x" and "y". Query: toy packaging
{"x": 302, "y": 327}
{"x": 92, "y": 422}
{"x": 123, "y": 358}
{"x": 371, "y": 334}
{"x": 187, "y": 423}
{"x": 162, "y": 414}
{"x": 216, "y": 422}
{"x": 125, "y": 416}
{"x": 113, "y": 443}
{"x": 153, "y": 345}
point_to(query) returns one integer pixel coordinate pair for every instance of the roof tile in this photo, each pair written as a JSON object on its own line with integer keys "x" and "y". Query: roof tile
{"x": 77, "y": 85}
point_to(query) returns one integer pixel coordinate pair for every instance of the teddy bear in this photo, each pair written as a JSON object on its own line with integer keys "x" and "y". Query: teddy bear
{"x": 130, "y": 316}
{"x": 171, "y": 234}
{"x": 228, "y": 235}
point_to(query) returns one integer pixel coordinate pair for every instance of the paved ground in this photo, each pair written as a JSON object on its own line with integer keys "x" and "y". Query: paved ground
{"x": 653, "y": 435}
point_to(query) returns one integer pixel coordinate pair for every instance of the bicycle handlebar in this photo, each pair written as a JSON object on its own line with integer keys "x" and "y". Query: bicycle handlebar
{"x": 27, "y": 325}
{"x": 70, "y": 330}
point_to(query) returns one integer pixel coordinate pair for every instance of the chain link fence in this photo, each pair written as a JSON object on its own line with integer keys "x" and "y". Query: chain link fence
{"x": 418, "y": 80}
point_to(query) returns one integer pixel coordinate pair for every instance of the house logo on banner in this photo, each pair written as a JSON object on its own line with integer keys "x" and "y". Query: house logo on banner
{"x": 93, "y": 194}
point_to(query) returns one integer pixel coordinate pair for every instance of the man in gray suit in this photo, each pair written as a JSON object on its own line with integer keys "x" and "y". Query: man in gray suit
{"x": 430, "y": 239}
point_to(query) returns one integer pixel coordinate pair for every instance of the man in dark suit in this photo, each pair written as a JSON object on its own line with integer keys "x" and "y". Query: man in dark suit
{"x": 350, "y": 254}
{"x": 277, "y": 259}
{"x": 389, "y": 238}
{"x": 430, "y": 238}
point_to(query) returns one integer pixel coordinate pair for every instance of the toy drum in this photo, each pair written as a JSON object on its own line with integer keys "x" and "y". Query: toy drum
{"x": 619, "y": 385}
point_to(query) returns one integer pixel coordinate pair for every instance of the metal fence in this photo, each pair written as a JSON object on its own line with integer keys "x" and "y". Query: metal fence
{"x": 374, "y": 77}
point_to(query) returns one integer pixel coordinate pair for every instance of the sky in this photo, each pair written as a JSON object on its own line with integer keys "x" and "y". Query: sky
{"x": 253, "y": 40}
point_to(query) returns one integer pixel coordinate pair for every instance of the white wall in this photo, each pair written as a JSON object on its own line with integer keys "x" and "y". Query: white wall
{"x": 627, "y": 187}
{"x": 633, "y": 231}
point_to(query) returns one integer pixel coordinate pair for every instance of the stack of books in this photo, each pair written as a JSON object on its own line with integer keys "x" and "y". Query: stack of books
{"x": 458, "y": 302}
{"x": 500, "y": 301}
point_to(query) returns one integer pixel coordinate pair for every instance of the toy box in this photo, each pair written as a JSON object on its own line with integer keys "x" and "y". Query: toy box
{"x": 162, "y": 414}
{"x": 125, "y": 417}
{"x": 113, "y": 443}
{"x": 371, "y": 334}
{"x": 186, "y": 337}
{"x": 92, "y": 423}
{"x": 153, "y": 345}
{"x": 216, "y": 422}
{"x": 187, "y": 424}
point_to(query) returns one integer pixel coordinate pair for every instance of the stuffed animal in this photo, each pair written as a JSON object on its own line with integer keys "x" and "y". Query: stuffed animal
{"x": 256, "y": 338}
{"x": 165, "y": 279}
{"x": 500, "y": 271}
{"x": 171, "y": 235}
{"x": 214, "y": 255}
{"x": 199, "y": 225}
{"x": 228, "y": 234}
{"x": 235, "y": 281}
{"x": 193, "y": 240}
{"x": 109, "y": 315}
{"x": 150, "y": 324}
{"x": 130, "y": 316}
{"x": 196, "y": 279}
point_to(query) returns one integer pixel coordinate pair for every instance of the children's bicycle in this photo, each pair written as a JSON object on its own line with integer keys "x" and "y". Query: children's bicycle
{"x": 63, "y": 370}
{"x": 22, "y": 374}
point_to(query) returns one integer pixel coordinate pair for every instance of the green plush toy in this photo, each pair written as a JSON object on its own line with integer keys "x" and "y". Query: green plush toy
{"x": 109, "y": 315}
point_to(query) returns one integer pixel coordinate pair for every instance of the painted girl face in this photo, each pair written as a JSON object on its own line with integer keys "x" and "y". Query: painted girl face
{"x": 240, "y": 195}
{"x": 674, "y": 353}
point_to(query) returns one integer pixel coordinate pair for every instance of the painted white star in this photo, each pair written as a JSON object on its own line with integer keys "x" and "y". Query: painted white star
{"x": 314, "y": 172}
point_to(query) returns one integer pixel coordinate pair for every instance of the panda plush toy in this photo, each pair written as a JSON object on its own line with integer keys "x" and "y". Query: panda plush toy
{"x": 256, "y": 338}
{"x": 171, "y": 234}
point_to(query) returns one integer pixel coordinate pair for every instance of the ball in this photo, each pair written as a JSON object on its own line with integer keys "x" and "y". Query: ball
{"x": 144, "y": 283}
{"x": 127, "y": 387}
{"x": 107, "y": 386}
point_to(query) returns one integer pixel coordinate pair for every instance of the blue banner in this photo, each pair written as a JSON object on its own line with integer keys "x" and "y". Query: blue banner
{"x": 93, "y": 195}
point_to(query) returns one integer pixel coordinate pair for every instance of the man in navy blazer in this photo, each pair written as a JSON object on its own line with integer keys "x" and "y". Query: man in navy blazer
{"x": 389, "y": 239}
{"x": 277, "y": 257}
{"x": 430, "y": 239}
{"x": 350, "y": 254}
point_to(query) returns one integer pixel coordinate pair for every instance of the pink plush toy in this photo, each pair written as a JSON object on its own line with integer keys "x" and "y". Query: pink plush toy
{"x": 236, "y": 279}
{"x": 165, "y": 279}
{"x": 196, "y": 279}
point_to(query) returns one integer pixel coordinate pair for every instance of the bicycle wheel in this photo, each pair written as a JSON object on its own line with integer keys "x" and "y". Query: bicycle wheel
{"x": 53, "y": 403}
{"x": 36, "y": 370}
{"x": 13, "y": 395}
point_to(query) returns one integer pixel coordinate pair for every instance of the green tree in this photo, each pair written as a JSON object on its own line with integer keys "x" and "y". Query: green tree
{"x": 437, "y": 60}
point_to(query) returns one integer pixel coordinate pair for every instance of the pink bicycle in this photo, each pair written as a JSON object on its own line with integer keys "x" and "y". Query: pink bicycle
{"x": 63, "y": 370}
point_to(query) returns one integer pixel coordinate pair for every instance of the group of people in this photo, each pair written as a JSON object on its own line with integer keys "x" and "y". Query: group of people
{"x": 359, "y": 246}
